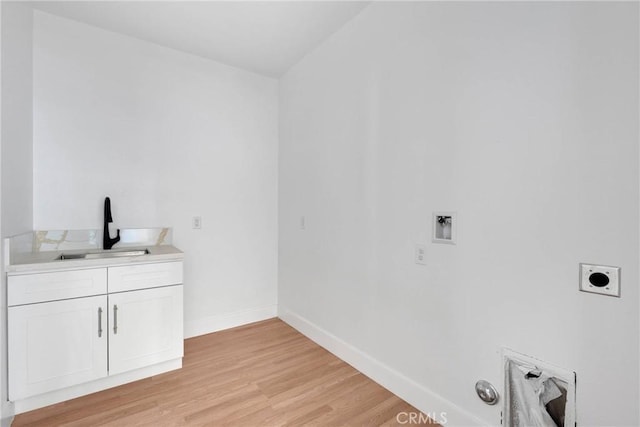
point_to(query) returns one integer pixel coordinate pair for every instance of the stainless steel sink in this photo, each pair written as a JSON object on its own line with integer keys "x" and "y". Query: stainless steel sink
{"x": 113, "y": 254}
{"x": 72, "y": 256}
{"x": 105, "y": 254}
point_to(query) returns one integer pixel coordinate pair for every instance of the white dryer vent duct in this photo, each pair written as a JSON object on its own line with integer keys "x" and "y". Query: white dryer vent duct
{"x": 536, "y": 393}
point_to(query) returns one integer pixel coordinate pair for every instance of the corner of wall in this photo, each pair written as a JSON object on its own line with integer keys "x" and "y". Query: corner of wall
{"x": 17, "y": 118}
{"x": 16, "y": 130}
{"x": 426, "y": 400}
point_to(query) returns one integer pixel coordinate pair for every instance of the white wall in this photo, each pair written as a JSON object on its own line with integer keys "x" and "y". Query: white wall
{"x": 16, "y": 148}
{"x": 17, "y": 129}
{"x": 167, "y": 136}
{"x": 523, "y": 118}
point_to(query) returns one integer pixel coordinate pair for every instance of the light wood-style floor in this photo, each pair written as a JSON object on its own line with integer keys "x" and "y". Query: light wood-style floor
{"x": 263, "y": 374}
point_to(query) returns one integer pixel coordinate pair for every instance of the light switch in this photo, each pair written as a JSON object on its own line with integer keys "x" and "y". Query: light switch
{"x": 421, "y": 254}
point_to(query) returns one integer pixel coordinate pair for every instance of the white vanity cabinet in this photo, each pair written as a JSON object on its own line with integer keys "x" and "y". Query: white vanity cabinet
{"x": 72, "y": 327}
{"x": 145, "y": 306}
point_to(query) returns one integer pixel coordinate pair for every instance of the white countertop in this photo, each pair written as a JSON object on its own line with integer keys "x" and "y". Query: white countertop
{"x": 37, "y": 262}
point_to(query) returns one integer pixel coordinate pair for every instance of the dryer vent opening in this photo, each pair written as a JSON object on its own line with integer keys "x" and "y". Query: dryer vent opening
{"x": 537, "y": 393}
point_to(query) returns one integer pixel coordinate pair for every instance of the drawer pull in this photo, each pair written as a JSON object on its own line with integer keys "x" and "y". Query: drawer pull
{"x": 99, "y": 322}
{"x": 115, "y": 319}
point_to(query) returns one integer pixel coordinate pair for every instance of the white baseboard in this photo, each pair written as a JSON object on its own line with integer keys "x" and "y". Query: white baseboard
{"x": 416, "y": 394}
{"x": 228, "y": 320}
{"x": 7, "y": 414}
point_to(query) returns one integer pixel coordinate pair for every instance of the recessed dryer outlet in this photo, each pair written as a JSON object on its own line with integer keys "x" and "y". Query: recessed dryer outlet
{"x": 600, "y": 279}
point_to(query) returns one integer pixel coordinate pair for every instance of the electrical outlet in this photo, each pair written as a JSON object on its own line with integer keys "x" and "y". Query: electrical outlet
{"x": 421, "y": 254}
{"x": 197, "y": 222}
{"x": 600, "y": 279}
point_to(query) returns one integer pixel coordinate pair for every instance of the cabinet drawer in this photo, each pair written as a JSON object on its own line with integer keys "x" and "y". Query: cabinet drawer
{"x": 132, "y": 277}
{"x": 41, "y": 287}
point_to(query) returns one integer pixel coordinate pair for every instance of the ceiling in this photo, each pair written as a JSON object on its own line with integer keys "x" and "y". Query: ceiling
{"x": 266, "y": 37}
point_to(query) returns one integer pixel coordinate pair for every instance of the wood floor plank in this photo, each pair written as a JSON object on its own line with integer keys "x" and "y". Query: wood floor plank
{"x": 263, "y": 374}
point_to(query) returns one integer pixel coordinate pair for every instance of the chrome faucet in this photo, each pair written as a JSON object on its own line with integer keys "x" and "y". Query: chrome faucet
{"x": 107, "y": 241}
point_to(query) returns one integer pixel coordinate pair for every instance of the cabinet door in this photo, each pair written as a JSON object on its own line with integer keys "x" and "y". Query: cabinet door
{"x": 145, "y": 328}
{"x": 56, "y": 344}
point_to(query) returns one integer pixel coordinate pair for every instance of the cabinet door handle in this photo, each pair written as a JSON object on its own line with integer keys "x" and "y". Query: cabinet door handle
{"x": 99, "y": 322}
{"x": 115, "y": 319}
